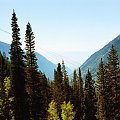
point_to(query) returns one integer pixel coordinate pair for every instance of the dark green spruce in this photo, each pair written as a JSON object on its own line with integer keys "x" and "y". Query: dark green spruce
{"x": 58, "y": 88}
{"x": 89, "y": 98}
{"x": 113, "y": 86}
{"x": 20, "y": 105}
{"x": 66, "y": 87}
{"x": 78, "y": 95}
{"x": 33, "y": 81}
{"x": 101, "y": 92}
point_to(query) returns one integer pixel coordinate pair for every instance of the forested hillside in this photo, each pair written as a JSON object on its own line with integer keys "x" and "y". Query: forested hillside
{"x": 93, "y": 61}
{"x": 27, "y": 94}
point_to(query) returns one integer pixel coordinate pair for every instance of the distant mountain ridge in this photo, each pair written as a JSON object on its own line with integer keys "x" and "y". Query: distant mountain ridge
{"x": 93, "y": 61}
{"x": 44, "y": 64}
{"x": 4, "y": 47}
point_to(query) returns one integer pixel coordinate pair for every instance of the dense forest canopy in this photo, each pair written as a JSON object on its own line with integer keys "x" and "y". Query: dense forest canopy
{"x": 27, "y": 94}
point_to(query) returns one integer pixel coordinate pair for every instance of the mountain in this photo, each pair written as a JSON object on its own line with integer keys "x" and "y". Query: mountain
{"x": 4, "y": 47}
{"x": 44, "y": 64}
{"x": 93, "y": 61}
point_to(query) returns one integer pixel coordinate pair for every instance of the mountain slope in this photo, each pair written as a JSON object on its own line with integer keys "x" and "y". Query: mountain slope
{"x": 4, "y": 47}
{"x": 44, "y": 64}
{"x": 93, "y": 61}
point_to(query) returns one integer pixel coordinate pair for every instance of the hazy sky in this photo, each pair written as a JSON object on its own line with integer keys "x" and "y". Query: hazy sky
{"x": 64, "y": 29}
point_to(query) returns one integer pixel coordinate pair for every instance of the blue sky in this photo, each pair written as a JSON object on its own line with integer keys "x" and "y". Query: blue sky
{"x": 64, "y": 29}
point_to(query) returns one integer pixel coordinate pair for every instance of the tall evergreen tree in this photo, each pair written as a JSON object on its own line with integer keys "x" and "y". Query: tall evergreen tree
{"x": 101, "y": 93}
{"x": 80, "y": 96}
{"x": 33, "y": 81}
{"x": 58, "y": 88}
{"x": 18, "y": 73}
{"x": 45, "y": 95}
{"x": 75, "y": 85}
{"x": 90, "y": 98}
{"x": 65, "y": 80}
{"x": 75, "y": 94}
{"x": 113, "y": 85}
{"x": 30, "y": 48}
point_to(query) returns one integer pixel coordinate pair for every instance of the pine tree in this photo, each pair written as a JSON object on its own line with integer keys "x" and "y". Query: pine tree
{"x": 80, "y": 96}
{"x": 65, "y": 80}
{"x": 101, "y": 94}
{"x": 45, "y": 95}
{"x": 90, "y": 98}
{"x": 75, "y": 85}
{"x": 33, "y": 81}
{"x": 57, "y": 88}
{"x": 75, "y": 94}
{"x": 113, "y": 86}
{"x": 30, "y": 48}
{"x": 18, "y": 73}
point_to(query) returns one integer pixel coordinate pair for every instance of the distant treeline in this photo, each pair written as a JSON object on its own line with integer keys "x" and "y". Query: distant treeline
{"x": 26, "y": 93}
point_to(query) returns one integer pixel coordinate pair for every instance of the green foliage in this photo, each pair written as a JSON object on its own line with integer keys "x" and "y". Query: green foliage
{"x": 66, "y": 114}
{"x": 44, "y": 90}
{"x": 20, "y": 83}
{"x": 113, "y": 85}
{"x": 89, "y": 98}
{"x": 18, "y": 75}
{"x": 66, "y": 87}
{"x": 31, "y": 60}
{"x": 6, "y": 101}
{"x": 4, "y": 66}
{"x": 52, "y": 111}
{"x": 100, "y": 90}
{"x": 37, "y": 86}
{"x": 4, "y": 95}
{"x": 78, "y": 95}
{"x": 7, "y": 85}
{"x": 108, "y": 88}
{"x": 67, "y": 111}
{"x": 75, "y": 85}
{"x": 58, "y": 87}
